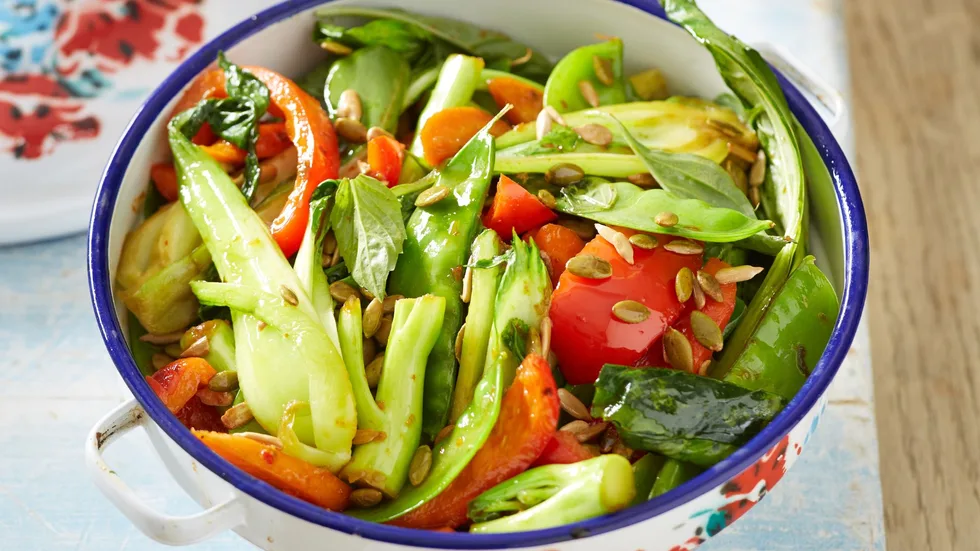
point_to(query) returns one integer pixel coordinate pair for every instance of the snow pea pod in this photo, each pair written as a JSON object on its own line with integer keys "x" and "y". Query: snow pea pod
{"x": 563, "y": 92}
{"x": 673, "y": 474}
{"x": 380, "y": 76}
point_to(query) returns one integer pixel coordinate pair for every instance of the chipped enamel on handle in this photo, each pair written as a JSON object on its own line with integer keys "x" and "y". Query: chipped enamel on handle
{"x": 163, "y": 528}
{"x": 811, "y": 82}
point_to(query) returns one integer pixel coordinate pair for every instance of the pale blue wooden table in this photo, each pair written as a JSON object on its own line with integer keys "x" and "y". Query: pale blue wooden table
{"x": 56, "y": 380}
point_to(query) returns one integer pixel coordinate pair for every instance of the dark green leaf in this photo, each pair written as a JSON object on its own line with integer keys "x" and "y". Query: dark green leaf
{"x": 314, "y": 82}
{"x": 736, "y": 317}
{"x": 515, "y": 337}
{"x": 242, "y": 84}
{"x": 379, "y": 76}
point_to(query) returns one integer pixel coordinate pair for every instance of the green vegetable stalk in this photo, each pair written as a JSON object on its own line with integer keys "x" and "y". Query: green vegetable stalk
{"x": 554, "y": 495}
{"x": 221, "y": 343}
{"x": 646, "y": 471}
{"x": 457, "y": 81}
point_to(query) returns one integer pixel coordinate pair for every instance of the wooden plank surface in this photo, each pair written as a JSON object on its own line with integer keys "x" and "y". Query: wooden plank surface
{"x": 916, "y": 76}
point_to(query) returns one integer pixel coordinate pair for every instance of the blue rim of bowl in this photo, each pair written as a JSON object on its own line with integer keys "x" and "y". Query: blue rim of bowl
{"x": 855, "y": 289}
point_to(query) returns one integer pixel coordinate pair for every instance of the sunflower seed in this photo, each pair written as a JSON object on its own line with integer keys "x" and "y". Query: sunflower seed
{"x": 595, "y": 134}
{"x": 162, "y": 339}
{"x": 705, "y": 367}
{"x": 584, "y": 431}
{"x": 758, "y": 173}
{"x": 547, "y": 198}
{"x": 684, "y": 246}
{"x": 572, "y": 405}
{"x": 684, "y": 284}
{"x": 666, "y": 219}
{"x": 459, "y": 343}
{"x": 266, "y": 439}
{"x": 741, "y": 152}
{"x": 224, "y": 381}
{"x": 372, "y": 318}
{"x": 643, "y": 241}
{"x": 546, "y": 326}
{"x": 288, "y": 295}
{"x": 335, "y": 259}
{"x": 588, "y": 93}
{"x": 197, "y": 349}
{"x": 754, "y": 196}
{"x": 467, "y": 290}
{"x": 363, "y": 498}
{"x": 555, "y": 115}
{"x": 564, "y": 174}
{"x": 173, "y": 350}
{"x": 160, "y": 361}
{"x": 630, "y": 311}
{"x": 643, "y": 180}
{"x": 329, "y": 243}
{"x": 236, "y": 416}
{"x": 336, "y": 48}
{"x": 603, "y": 68}
{"x": 384, "y": 331}
{"x": 710, "y": 286}
{"x": 737, "y": 274}
{"x": 367, "y": 294}
{"x": 349, "y": 105}
{"x": 677, "y": 350}
{"x": 364, "y": 436}
{"x": 608, "y": 440}
{"x": 375, "y": 479}
{"x": 351, "y": 130}
{"x": 369, "y": 349}
{"x": 388, "y": 304}
{"x": 444, "y": 433}
{"x": 618, "y": 241}
{"x": 211, "y": 398}
{"x": 341, "y": 291}
{"x": 725, "y": 128}
{"x": 432, "y": 196}
{"x": 377, "y": 132}
{"x": 583, "y": 229}
{"x": 543, "y": 124}
{"x": 528, "y": 54}
{"x": 698, "y": 294}
{"x": 418, "y": 469}
{"x": 706, "y": 331}
{"x": 589, "y": 266}
{"x": 372, "y": 372}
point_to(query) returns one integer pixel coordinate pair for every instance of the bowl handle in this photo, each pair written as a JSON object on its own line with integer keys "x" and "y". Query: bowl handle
{"x": 810, "y": 81}
{"x": 160, "y": 527}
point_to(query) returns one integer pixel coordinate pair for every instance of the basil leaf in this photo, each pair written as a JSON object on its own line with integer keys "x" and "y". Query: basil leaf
{"x": 242, "y": 84}
{"x": 367, "y": 223}
{"x": 408, "y": 40}
{"x": 560, "y": 138}
{"x": 380, "y": 76}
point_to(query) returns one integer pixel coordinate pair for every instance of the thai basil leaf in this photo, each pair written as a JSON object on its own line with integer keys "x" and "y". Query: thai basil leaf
{"x": 408, "y": 40}
{"x": 367, "y": 222}
{"x": 380, "y": 76}
{"x": 240, "y": 83}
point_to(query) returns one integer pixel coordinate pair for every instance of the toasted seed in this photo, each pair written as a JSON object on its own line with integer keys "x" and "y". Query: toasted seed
{"x": 363, "y": 498}
{"x": 705, "y": 367}
{"x": 369, "y": 349}
{"x": 364, "y": 436}
{"x": 619, "y": 448}
{"x": 643, "y": 180}
{"x": 584, "y": 431}
{"x": 737, "y": 274}
{"x": 618, "y": 241}
{"x": 162, "y": 339}
{"x": 372, "y": 318}
{"x": 384, "y": 331}
{"x": 684, "y": 284}
{"x": 173, "y": 350}
{"x": 595, "y": 134}
{"x": 418, "y": 469}
{"x": 666, "y": 219}
{"x": 547, "y": 198}
{"x": 341, "y": 291}
{"x": 698, "y": 294}
{"x": 377, "y": 131}
{"x": 554, "y": 114}
{"x": 585, "y": 230}
{"x": 758, "y": 173}
{"x": 630, "y": 311}
{"x": 349, "y": 105}
{"x": 329, "y": 243}
{"x": 444, "y": 433}
{"x": 706, "y": 331}
{"x": 643, "y": 241}
{"x": 677, "y": 350}
{"x": 336, "y": 48}
{"x": 288, "y": 295}
{"x": 467, "y": 290}
{"x": 572, "y": 405}
{"x": 236, "y": 416}
{"x": 373, "y": 370}
{"x": 197, "y": 349}
{"x": 710, "y": 286}
{"x": 754, "y": 196}
{"x": 589, "y": 266}
{"x": 603, "y": 68}
{"x": 564, "y": 174}
{"x": 432, "y": 196}
{"x": 588, "y": 92}
{"x": 543, "y": 124}
{"x": 160, "y": 361}
{"x": 528, "y": 54}
{"x": 741, "y": 152}
{"x": 546, "y": 327}
{"x": 211, "y": 398}
{"x": 351, "y": 130}
{"x": 335, "y": 259}
{"x": 608, "y": 440}
{"x": 224, "y": 381}
{"x": 684, "y": 246}
{"x": 737, "y": 172}
{"x": 459, "y": 343}
{"x": 363, "y": 167}
{"x": 388, "y": 304}
{"x": 266, "y": 439}
{"x": 367, "y": 294}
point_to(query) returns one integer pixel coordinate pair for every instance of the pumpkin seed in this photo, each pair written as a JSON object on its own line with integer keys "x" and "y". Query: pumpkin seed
{"x": 444, "y": 433}
{"x": 388, "y": 304}
{"x": 528, "y": 54}
{"x": 384, "y": 331}
{"x": 666, "y": 219}
{"x": 266, "y": 439}
{"x": 684, "y": 246}
{"x": 603, "y": 68}
{"x": 160, "y": 361}
{"x": 329, "y": 243}
{"x": 373, "y": 370}
{"x": 288, "y": 295}
{"x": 341, "y": 291}
{"x": 364, "y": 436}
{"x": 643, "y": 180}
{"x": 335, "y": 259}
{"x": 741, "y": 152}
{"x": 369, "y": 349}
{"x": 564, "y": 174}
{"x": 162, "y": 339}
{"x": 754, "y": 196}
{"x": 588, "y": 92}
{"x": 173, "y": 350}
{"x": 554, "y": 114}
{"x": 372, "y": 318}
{"x": 595, "y": 134}
{"x": 758, "y": 173}
{"x": 349, "y": 105}
{"x": 589, "y": 266}
{"x": 236, "y": 416}
{"x": 215, "y": 399}
{"x": 546, "y": 326}
{"x": 467, "y": 290}
{"x": 366, "y": 294}
{"x": 547, "y": 198}
{"x": 618, "y": 241}
{"x": 377, "y": 132}
{"x": 698, "y": 295}
{"x": 418, "y": 469}
{"x": 336, "y": 48}
{"x": 543, "y": 124}
{"x": 737, "y": 274}
{"x": 584, "y": 431}
{"x": 572, "y": 405}
{"x": 630, "y": 311}
{"x": 643, "y": 241}
{"x": 224, "y": 381}
{"x": 684, "y": 284}
{"x": 583, "y": 229}
{"x": 459, "y": 343}
{"x": 677, "y": 350}
{"x": 363, "y": 498}
{"x": 705, "y": 367}
{"x": 706, "y": 331}
{"x": 351, "y": 130}
{"x": 432, "y": 196}
{"x": 710, "y": 286}
{"x": 197, "y": 349}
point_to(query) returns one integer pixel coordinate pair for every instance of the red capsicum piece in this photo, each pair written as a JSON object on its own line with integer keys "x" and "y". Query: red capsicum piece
{"x": 719, "y": 312}
{"x": 177, "y": 382}
{"x": 385, "y": 156}
{"x": 164, "y": 178}
{"x": 563, "y": 449}
{"x": 559, "y": 243}
{"x": 527, "y": 422}
{"x": 515, "y": 209}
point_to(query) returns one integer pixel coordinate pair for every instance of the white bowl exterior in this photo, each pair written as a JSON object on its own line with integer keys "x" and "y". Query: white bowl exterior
{"x": 558, "y": 26}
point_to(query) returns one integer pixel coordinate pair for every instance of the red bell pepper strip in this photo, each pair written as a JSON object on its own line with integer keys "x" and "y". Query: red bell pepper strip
{"x": 385, "y": 156}
{"x": 269, "y": 464}
{"x": 164, "y": 178}
{"x": 196, "y": 415}
{"x": 559, "y": 243}
{"x": 563, "y": 449}
{"x": 207, "y": 86}
{"x": 515, "y": 209}
{"x": 527, "y": 100}
{"x": 527, "y": 422}
{"x": 177, "y": 382}
{"x": 719, "y": 312}
{"x": 585, "y": 334}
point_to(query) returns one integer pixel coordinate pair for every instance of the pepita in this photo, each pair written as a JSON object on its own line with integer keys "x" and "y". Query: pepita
{"x": 364, "y": 436}
{"x": 618, "y": 241}
{"x": 224, "y": 381}
{"x": 572, "y": 405}
{"x": 603, "y": 68}
{"x": 363, "y": 498}
{"x": 710, "y": 286}
{"x": 644, "y": 241}
{"x": 584, "y": 431}
{"x": 432, "y": 196}
{"x": 754, "y": 196}
{"x": 197, "y": 349}
{"x": 459, "y": 343}
{"x": 351, "y": 130}
{"x": 698, "y": 294}
{"x": 163, "y": 339}
{"x": 588, "y": 93}
{"x": 706, "y": 331}
{"x": 373, "y": 370}
{"x": 630, "y": 311}
{"x": 288, "y": 295}
{"x": 666, "y": 219}
{"x": 705, "y": 367}
{"x": 384, "y": 331}
{"x": 677, "y": 350}
{"x": 758, "y": 173}
{"x": 643, "y": 180}
{"x": 341, "y": 291}
{"x": 377, "y": 132}
{"x": 372, "y": 318}
{"x": 589, "y": 266}
{"x": 684, "y": 284}
{"x": 329, "y": 243}
{"x": 236, "y": 416}
{"x": 543, "y": 124}
{"x": 737, "y": 274}
{"x": 336, "y": 48}
{"x": 595, "y": 134}
{"x": 564, "y": 174}
{"x": 335, "y": 259}
{"x": 388, "y": 304}
{"x": 349, "y": 105}
{"x": 418, "y": 469}
{"x": 369, "y": 349}
{"x": 684, "y": 246}
{"x": 547, "y": 198}
{"x": 211, "y": 398}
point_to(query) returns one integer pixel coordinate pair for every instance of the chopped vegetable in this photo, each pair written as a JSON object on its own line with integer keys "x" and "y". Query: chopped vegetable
{"x": 559, "y": 244}
{"x": 454, "y": 88}
{"x": 179, "y": 381}
{"x": 563, "y": 448}
{"x": 446, "y": 132}
{"x": 563, "y": 90}
{"x": 385, "y": 156}
{"x": 515, "y": 210}
{"x": 527, "y": 98}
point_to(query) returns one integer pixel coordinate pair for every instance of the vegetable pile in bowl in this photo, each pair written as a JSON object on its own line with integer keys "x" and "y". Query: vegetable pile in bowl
{"x": 444, "y": 283}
